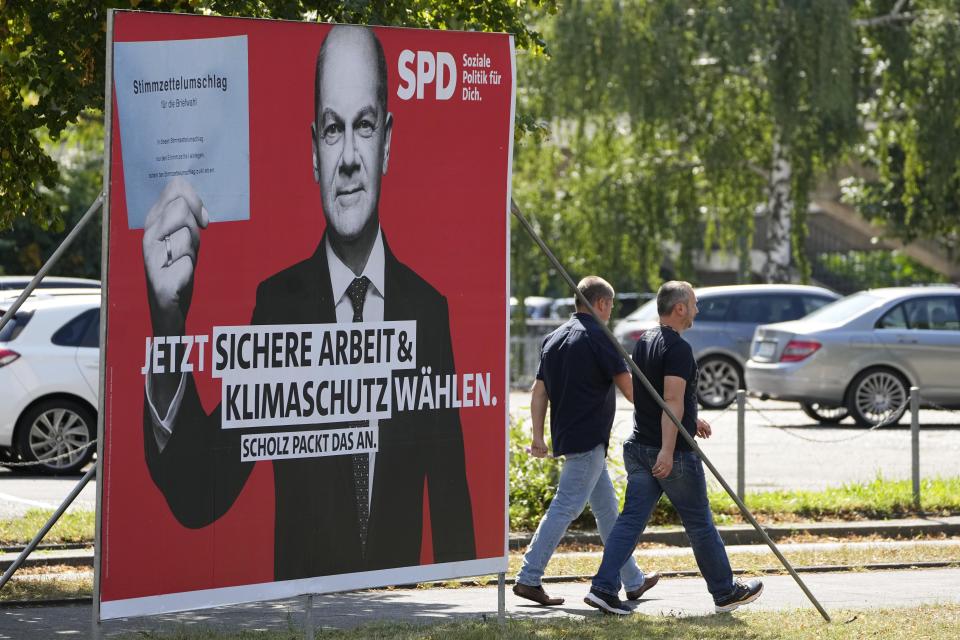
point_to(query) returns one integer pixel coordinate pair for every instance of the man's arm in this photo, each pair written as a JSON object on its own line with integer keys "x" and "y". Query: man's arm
{"x": 198, "y": 471}
{"x": 673, "y": 390}
{"x": 197, "y": 466}
{"x": 624, "y": 382}
{"x": 539, "y": 401}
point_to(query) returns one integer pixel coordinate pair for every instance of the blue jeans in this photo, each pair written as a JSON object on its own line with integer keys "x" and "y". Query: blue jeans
{"x": 583, "y": 478}
{"x": 686, "y": 487}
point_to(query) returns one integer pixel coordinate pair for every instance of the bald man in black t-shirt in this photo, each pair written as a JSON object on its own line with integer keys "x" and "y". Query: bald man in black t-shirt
{"x": 657, "y": 463}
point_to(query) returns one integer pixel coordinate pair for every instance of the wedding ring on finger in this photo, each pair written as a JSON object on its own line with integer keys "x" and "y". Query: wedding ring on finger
{"x": 166, "y": 244}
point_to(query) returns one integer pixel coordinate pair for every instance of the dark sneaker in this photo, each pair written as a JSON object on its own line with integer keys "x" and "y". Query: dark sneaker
{"x": 743, "y": 593}
{"x": 606, "y": 603}
{"x": 537, "y": 594}
{"x": 650, "y": 581}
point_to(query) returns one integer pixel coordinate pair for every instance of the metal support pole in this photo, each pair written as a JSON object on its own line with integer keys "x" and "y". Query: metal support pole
{"x": 96, "y": 629}
{"x": 915, "y": 444}
{"x": 52, "y": 260}
{"x": 502, "y": 598}
{"x": 663, "y": 405}
{"x": 741, "y": 444}
{"x": 49, "y": 525}
{"x": 308, "y": 617}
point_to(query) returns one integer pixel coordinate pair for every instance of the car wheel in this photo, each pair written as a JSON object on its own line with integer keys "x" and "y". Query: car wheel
{"x": 57, "y": 435}
{"x": 718, "y": 382}
{"x": 824, "y": 413}
{"x": 877, "y": 396}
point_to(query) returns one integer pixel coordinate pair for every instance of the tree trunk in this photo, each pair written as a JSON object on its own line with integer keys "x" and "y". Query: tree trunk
{"x": 776, "y": 269}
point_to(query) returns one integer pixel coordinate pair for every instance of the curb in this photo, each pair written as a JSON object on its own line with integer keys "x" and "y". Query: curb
{"x": 741, "y": 534}
{"x": 80, "y": 560}
{"x": 36, "y": 604}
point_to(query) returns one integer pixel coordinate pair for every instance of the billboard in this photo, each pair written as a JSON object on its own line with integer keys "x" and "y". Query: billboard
{"x": 305, "y": 375}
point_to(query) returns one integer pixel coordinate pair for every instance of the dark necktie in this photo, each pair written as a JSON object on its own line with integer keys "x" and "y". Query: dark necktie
{"x": 357, "y": 292}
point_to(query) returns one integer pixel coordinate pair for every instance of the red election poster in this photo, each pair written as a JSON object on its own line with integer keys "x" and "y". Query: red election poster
{"x": 305, "y": 385}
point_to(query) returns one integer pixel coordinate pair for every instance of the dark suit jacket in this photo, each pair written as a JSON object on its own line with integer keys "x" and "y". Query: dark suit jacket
{"x": 316, "y": 525}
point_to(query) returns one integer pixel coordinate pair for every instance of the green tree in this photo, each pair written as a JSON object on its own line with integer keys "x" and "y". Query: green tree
{"x": 52, "y": 56}
{"x": 725, "y": 108}
{"x": 912, "y": 150}
{"x": 79, "y": 156}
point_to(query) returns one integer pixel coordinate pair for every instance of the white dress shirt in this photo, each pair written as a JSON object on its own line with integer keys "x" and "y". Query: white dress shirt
{"x": 341, "y": 276}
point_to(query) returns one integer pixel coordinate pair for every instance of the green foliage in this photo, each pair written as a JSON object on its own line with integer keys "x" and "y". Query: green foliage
{"x": 52, "y": 56}
{"x": 580, "y": 198}
{"x": 664, "y": 115}
{"x": 872, "y": 269}
{"x": 79, "y": 155}
{"x": 696, "y": 93}
{"x": 914, "y": 149}
{"x": 533, "y": 481}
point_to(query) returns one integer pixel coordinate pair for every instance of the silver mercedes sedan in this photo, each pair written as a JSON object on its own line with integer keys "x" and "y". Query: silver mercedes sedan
{"x": 720, "y": 336}
{"x": 861, "y": 354}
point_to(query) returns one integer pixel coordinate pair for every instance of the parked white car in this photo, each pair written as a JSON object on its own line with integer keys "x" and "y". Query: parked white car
{"x": 49, "y": 374}
{"x": 19, "y": 283}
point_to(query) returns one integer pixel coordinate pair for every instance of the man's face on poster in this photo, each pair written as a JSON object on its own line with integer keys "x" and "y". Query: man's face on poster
{"x": 351, "y": 142}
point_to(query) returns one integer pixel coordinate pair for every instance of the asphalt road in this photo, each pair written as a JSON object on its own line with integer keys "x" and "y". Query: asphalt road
{"x": 22, "y": 491}
{"x": 784, "y": 450}
{"x": 787, "y": 450}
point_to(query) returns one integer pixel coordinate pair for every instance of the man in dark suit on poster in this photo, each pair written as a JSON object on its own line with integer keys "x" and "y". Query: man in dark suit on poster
{"x": 343, "y": 513}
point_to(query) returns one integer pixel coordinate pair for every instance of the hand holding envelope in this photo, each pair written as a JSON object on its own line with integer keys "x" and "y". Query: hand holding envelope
{"x": 171, "y": 244}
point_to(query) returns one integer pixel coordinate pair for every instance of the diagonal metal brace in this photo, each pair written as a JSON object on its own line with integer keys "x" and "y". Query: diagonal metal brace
{"x": 515, "y": 210}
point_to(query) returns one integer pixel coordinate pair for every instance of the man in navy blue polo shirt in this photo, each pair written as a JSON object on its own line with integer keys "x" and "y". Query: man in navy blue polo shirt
{"x": 578, "y": 370}
{"x": 658, "y": 461}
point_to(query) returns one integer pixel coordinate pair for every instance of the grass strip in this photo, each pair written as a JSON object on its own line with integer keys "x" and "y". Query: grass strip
{"x": 935, "y": 622}
{"x": 47, "y": 583}
{"x": 73, "y": 526}
{"x": 879, "y": 499}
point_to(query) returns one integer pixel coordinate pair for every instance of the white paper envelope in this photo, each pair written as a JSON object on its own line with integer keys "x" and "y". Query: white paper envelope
{"x": 184, "y": 111}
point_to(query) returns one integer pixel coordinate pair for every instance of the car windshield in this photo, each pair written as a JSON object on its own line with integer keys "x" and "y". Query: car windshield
{"x": 844, "y": 308}
{"x": 646, "y": 312}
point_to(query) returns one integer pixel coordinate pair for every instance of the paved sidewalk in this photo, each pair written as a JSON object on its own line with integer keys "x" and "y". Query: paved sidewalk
{"x": 677, "y": 596}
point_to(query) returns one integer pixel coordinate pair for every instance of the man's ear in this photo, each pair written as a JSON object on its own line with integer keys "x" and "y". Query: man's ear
{"x": 388, "y": 131}
{"x": 316, "y": 152}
